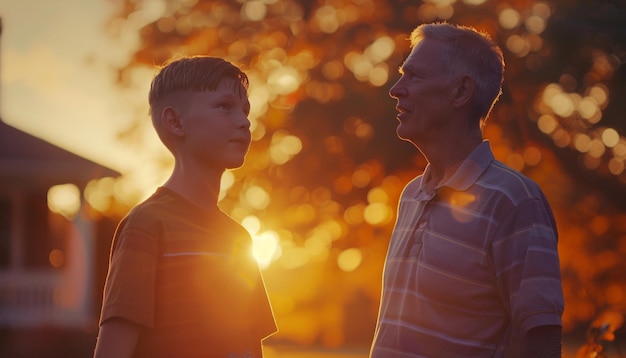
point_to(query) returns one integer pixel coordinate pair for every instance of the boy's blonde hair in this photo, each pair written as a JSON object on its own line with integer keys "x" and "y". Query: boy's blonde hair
{"x": 190, "y": 74}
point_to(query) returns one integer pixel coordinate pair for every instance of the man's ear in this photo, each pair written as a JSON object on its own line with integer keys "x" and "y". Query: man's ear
{"x": 463, "y": 91}
{"x": 171, "y": 122}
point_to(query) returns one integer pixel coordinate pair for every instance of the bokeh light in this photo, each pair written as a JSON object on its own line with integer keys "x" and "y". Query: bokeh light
{"x": 64, "y": 199}
{"x": 257, "y": 197}
{"x": 56, "y": 258}
{"x": 254, "y": 10}
{"x": 509, "y": 18}
{"x": 348, "y": 260}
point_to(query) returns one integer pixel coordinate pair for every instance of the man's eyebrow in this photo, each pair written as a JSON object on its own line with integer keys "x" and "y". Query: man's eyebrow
{"x": 406, "y": 68}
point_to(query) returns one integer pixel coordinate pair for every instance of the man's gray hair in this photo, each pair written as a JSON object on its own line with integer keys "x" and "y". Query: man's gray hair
{"x": 466, "y": 50}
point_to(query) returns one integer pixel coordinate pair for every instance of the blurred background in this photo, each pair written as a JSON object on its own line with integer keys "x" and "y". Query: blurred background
{"x": 320, "y": 185}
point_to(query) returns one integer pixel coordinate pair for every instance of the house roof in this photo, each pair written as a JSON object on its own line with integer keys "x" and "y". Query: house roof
{"x": 27, "y": 160}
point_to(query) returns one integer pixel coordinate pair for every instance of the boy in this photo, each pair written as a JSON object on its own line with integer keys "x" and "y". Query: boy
{"x": 182, "y": 281}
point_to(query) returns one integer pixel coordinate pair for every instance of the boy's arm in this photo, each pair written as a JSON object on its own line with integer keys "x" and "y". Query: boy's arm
{"x": 117, "y": 339}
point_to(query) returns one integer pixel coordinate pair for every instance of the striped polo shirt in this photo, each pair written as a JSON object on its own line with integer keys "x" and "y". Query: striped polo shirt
{"x": 471, "y": 266}
{"x": 188, "y": 277}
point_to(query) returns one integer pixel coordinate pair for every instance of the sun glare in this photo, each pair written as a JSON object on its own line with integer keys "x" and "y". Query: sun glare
{"x": 265, "y": 248}
{"x": 265, "y": 245}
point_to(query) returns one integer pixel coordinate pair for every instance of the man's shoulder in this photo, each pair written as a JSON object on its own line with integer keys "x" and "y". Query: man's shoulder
{"x": 510, "y": 182}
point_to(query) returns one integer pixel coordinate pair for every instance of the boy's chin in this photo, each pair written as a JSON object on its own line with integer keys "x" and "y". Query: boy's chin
{"x": 234, "y": 165}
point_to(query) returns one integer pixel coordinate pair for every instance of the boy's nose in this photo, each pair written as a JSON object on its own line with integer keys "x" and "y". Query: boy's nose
{"x": 243, "y": 122}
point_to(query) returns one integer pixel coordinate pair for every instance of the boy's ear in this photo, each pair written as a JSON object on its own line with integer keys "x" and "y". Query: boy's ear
{"x": 171, "y": 122}
{"x": 463, "y": 91}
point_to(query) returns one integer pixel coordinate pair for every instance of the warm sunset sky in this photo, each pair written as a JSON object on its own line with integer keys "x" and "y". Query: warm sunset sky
{"x": 56, "y": 78}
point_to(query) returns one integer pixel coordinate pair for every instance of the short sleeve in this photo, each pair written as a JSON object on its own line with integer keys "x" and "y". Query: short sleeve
{"x": 527, "y": 265}
{"x": 130, "y": 284}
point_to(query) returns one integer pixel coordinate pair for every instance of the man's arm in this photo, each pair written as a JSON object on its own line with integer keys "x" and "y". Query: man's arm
{"x": 117, "y": 339}
{"x": 543, "y": 342}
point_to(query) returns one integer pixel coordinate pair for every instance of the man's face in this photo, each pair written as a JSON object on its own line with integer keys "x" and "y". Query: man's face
{"x": 217, "y": 129}
{"x": 423, "y": 95}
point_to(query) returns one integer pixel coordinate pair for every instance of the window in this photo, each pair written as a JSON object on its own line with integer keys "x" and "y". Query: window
{"x": 31, "y": 236}
{"x": 44, "y": 232}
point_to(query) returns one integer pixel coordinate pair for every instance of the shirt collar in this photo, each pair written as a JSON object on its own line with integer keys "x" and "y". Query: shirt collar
{"x": 471, "y": 168}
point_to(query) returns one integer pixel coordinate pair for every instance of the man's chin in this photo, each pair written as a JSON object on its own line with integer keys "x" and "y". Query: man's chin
{"x": 401, "y": 133}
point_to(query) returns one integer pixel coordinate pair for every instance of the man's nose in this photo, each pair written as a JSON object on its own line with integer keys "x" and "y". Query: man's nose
{"x": 397, "y": 90}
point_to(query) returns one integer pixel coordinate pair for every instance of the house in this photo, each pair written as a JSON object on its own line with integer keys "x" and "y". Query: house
{"x": 49, "y": 244}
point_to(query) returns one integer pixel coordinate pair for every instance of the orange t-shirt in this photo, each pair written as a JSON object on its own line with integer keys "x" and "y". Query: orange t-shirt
{"x": 188, "y": 277}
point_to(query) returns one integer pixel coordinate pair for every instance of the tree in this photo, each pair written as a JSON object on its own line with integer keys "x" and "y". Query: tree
{"x": 325, "y": 170}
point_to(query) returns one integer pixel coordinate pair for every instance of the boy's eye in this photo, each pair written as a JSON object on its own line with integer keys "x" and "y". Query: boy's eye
{"x": 224, "y": 106}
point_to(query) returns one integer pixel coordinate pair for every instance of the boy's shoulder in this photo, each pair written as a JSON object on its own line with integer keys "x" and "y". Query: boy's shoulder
{"x": 151, "y": 209}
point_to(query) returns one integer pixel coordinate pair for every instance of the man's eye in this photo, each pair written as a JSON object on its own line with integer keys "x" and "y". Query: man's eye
{"x": 224, "y": 106}
{"x": 414, "y": 77}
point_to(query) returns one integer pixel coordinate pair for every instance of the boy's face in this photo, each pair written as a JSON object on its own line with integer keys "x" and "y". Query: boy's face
{"x": 216, "y": 126}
